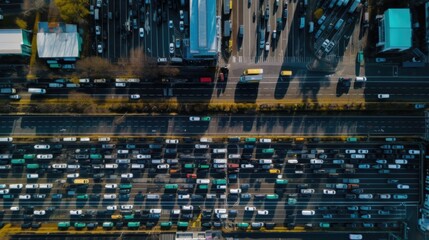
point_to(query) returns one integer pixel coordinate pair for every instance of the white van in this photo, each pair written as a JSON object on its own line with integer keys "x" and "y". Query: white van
{"x": 206, "y": 140}
{"x": 310, "y": 27}
{"x": 383, "y": 96}
{"x": 69, "y": 139}
{"x": 203, "y": 181}
{"x": 360, "y": 79}
{"x": 84, "y": 139}
{"x": 6, "y": 139}
{"x": 393, "y": 166}
{"x": 302, "y": 23}
{"x": 265, "y": 161}
{"x": 234, "y": 156}
{"x": 152, "y": 196}
{"x": 45, "y": 185}
{"x": 137, "y": 166}
{"x": 219, "y": 160}
{"x": 292, "y": 161}
{"x": 32, "y": 175}
{"x": 219, "y": 150}
{"x": 111, "y": 166}
{"x": 308, "y": 212}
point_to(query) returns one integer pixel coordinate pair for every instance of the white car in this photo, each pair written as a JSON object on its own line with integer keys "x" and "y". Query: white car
{"x": 42, "y": 146}
{"x": 363, "y": 151}
{"x": 73, "y": 166}
{"x": 127, "y": 207}
{"x": 350, "y": 151}
{"x": 267, "y": 46}
{"x": 184, "y": 196}
{"x": 194, "y": 119}
{"x": 172, "y": 141}
{"x": 247, "y": 166}
{"x": 175, "y": 211}
{"x": 109, "y": 196}
{"x": 111, "y": 186}
{"x": 156, "y": 210}
{"x": 14, "y": 208}
{"x": 142, "y": 156}
{"x": 112, "y": 207}
{"x": 181, "y": 26}
{"x": 414, "y": 151}
{"x": 170, "y": 24}
{"x": 235, "y": 190}
{"x": 182, "y": 15}
{"x": 401, "y": 161}
{"x": 25, "y": 196}
{"x": 220, "y": 210}
{"x": 100, "y": 48}
{"x": 385, "y": 196}
{"x": 120, "y": 84}
{"x": 44, "y": 156}
{"x": 403, "y": 186}
{"x": 307, "y": 191}
{"x": 263, "y": 212}
{"x": 75, "y": 212}
{"x": 39, "y": 212}
{"x": 73, "y": 175}
{"x": 329, "y": 191}
{"x": 59, "y": 166}
{"x": 201, "y": 146}
{"x": 4, "y": 191}
{"x": 187, "y": 207}
{"x": 135, "y": 96}
{"x": 316, "y": 161}
{"x": 163, "y": 166}
{"x": 249, "y": 208}
{"x": 171, "y": 48}
{"x": 381, "y": 161}
{"x": 123, "y": 151}
{"x": 141, "y": 32}
{"x": 265, "y": 140}
{"x": 127, "y": 175}
{"x": 31, "y": 186}
{"x": 97, "y": 30}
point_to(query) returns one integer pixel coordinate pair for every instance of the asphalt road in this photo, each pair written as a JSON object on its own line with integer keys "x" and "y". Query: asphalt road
{"x": 219, "y": 125}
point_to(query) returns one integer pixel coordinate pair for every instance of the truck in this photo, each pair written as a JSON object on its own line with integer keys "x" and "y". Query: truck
{"x": 226, "y": 7}
{"x": 96, "y": 14}
{"x": 227, "y": 28}
{"x": 7, "y": 90}
{"x": 251, "y": 78}
{"x": 37, "y": 90}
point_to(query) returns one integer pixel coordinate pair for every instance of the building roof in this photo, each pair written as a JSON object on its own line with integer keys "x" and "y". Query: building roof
{"x": 58, "y": 40}
{"x": 397, "y": 26}
{"x": 203, "y": 41}
{"x": 14, "y": 41}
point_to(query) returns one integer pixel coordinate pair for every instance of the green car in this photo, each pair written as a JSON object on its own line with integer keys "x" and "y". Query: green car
{"x": 207, "y": 119}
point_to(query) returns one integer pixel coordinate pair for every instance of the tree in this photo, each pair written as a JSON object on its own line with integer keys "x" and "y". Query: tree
{"x": 95, "y": 67}
{"x": 36, "y": 6}
{"x": 73, "y": 11}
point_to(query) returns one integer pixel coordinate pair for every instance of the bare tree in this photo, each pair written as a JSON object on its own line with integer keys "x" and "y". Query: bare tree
{"x": 36, "y": 6}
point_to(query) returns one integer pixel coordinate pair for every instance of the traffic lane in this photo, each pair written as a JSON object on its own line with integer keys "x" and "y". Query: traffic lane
{"x": 391, "y": 125}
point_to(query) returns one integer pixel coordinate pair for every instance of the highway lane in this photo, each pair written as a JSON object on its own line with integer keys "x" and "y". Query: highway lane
{"x": 275, "y": 125}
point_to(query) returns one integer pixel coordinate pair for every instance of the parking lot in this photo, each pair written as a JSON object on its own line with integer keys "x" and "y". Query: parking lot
{"x": 209, "y": 183}
{"x": 149, "y": 26}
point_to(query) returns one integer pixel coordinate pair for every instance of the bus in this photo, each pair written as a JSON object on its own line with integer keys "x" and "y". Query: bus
{"x": 95, "y": 156}
{"x": 166, "y": 225}
{"x": 134, "y": 224}
{"x": 80, "y": 181}
{"x": 272, "y": 197}
{"x": 182, "y": 224}
{"x": 125, "y": 186}
{"x": 17, "y": 161}
{"x": 29, "y": 156}
{"x": 281, "y": 181}
{"x": 250, "y": 78}
{"x": 63, "y": 224}
{"x": 254, "y": 71}
{"x": 243, "y": 225}
{"x": 219, "y": 181}
{"x": 129, "y": 216}
{"x": 171, "y": 186}
{"x": 204, "y": 166}
{"x": 33, "y": 166}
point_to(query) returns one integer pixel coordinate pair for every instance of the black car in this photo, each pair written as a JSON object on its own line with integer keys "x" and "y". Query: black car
{"x": 25, "y": 225}
{"x": 206, "y": 225}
